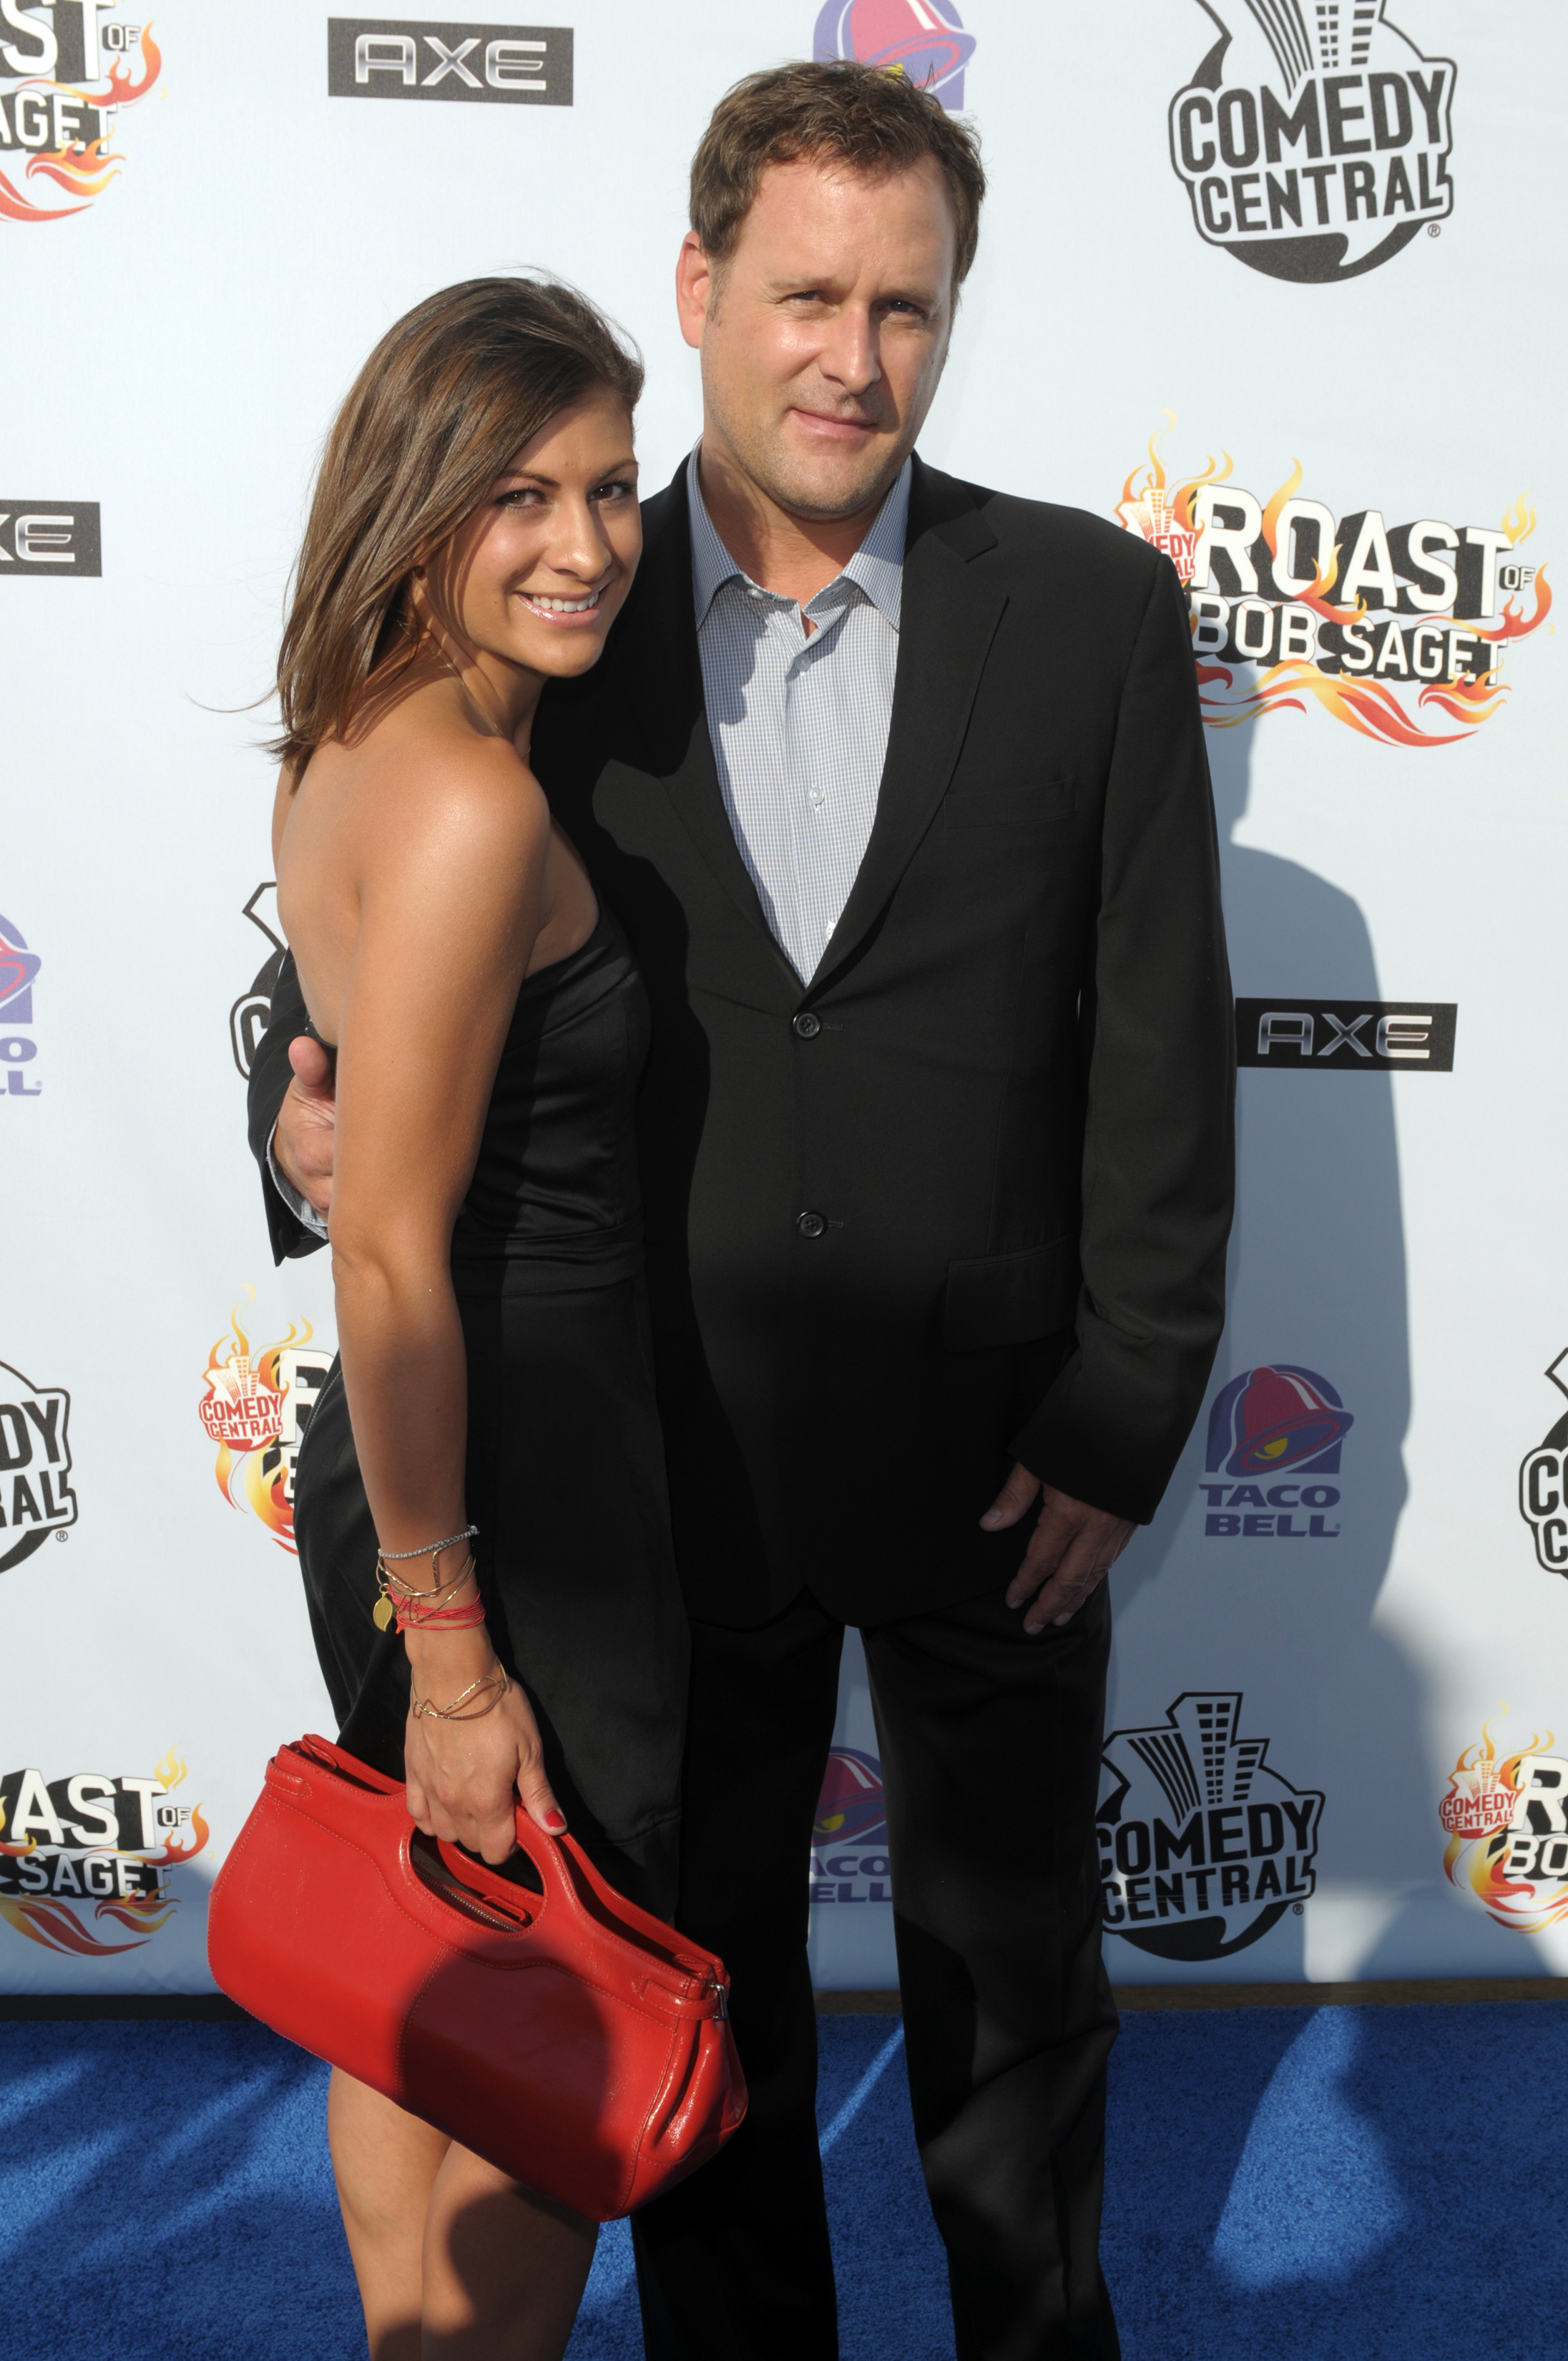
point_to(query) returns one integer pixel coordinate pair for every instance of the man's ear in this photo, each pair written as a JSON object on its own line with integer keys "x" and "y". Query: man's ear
{"x": 696, "y": 288}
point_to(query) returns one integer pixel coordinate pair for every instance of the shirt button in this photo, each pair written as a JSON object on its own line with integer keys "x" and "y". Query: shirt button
{"x": 807, "y": 1025}
{"x": 816, "y": 799}
{"x": 810, "y": 1225}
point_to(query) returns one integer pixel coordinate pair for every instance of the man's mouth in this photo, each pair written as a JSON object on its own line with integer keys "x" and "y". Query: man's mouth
{"x": 543, "y": 606}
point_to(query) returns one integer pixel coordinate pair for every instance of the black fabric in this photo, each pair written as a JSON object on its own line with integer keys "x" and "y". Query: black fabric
{"x": 990, "y": 1744}
{"x": 565, "y": 1475}
{"x": 1025, "y": 1051}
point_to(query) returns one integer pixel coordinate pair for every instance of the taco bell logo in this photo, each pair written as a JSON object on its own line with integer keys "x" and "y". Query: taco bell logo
{"x": 1269, "y": 1423}
{"x": 850, "y": 1859}
{"x": 1202, "y": 1847}
{"x": 921, "y": 39}
{"x": 1314, "y": 139}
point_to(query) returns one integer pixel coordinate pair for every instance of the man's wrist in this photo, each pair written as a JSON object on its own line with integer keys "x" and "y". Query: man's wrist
{"x": 304, "y": 1213}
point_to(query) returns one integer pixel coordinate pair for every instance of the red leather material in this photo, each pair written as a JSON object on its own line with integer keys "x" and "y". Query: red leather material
{"x": 571, "y": 2040}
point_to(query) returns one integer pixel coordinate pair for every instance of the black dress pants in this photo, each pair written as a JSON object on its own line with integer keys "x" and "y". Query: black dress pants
{"x": 989, "y": 1747}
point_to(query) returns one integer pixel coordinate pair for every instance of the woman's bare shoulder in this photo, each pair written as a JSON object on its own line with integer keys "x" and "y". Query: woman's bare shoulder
{"x": 425, "y": 786}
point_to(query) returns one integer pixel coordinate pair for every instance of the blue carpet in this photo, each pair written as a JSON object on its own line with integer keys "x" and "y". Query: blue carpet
{"x": 1310, "y": 2186}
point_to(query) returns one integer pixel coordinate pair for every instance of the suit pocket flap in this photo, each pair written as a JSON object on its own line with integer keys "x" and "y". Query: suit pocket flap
{"x": 1010, "y": 1298}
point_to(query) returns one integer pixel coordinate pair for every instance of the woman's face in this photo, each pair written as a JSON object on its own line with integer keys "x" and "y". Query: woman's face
{"x": 537, "y": 575}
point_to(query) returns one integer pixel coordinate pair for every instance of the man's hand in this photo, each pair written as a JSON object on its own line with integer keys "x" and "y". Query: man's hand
{"x": 1072, "y": 1550}
{"x": 306, "y": 1138}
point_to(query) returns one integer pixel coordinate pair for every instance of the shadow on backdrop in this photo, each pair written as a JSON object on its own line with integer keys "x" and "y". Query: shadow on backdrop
{"x": 1316, "y": 1280}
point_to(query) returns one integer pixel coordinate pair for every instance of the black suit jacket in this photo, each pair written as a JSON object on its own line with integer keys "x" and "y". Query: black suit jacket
{"x": 964, "y": 1198}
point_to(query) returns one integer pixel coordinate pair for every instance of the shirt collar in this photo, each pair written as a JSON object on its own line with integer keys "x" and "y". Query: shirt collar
{"x": 877, "y": 566}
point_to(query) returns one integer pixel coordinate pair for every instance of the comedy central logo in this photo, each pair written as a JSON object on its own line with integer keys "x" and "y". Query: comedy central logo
{"x": 256, "y": 1408}
{"x": 66, "y": 74}
{"x": 1314, "y": 140}
{"x": 849, "y": 1838}
{"x": 921, "y": 39}
{"x": 84, "y": 1859}
{"x": 1202, "y": 1847}
{"x": 252, "y": 1012}
{"x": 1398, "y": 630}
{"x": 1543, "y": 1484}
{"x": 36, "y": 1495}
{"x": 1265, "y": 1424}
{"x": 1506, "y": 1818}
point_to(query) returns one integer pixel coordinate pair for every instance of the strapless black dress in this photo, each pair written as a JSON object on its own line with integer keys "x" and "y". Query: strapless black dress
{"x": 565, "y": 1469}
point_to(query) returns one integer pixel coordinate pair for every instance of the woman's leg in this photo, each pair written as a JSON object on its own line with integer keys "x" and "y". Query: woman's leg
{"x": 504, "y": 2271}
{"x": 385, "y": 2163}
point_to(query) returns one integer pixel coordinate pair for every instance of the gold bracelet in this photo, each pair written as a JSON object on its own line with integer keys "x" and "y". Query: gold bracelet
{"x": 422, "y": 1705}
{"x": 386, "y": 1606}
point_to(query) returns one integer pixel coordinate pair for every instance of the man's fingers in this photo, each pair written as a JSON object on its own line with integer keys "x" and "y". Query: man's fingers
{"x": 1010, "y": 1503}
{"x": 312, "y": 1065}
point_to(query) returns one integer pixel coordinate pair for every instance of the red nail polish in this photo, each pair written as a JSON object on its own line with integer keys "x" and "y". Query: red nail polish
{"x": 555, "y": 1820}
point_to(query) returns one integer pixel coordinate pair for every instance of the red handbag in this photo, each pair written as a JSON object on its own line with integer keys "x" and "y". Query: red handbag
{"x": 574, "y": 2041}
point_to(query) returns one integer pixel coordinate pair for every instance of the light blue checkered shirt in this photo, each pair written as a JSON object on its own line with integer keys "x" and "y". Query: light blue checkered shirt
{"x": 799, "y": 726}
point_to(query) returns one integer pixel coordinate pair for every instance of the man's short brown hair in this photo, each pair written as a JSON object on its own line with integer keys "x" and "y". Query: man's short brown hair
{"x": 834, "y": 111}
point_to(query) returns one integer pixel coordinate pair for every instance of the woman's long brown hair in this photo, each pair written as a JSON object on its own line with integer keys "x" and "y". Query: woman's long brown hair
{"x": 439, "y": 411}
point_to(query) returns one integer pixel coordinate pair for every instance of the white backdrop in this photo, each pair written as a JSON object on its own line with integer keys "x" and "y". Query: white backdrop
{"x": 182, "y": 326}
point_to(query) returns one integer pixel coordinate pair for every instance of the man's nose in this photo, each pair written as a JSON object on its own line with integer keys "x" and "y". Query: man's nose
{"x": 849, "y": 356}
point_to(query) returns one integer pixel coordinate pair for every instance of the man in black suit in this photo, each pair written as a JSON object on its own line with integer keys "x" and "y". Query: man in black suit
{"x": 898, "y": 788}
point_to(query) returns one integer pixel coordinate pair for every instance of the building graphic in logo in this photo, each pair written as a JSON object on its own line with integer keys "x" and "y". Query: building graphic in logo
{"x": 86, "y": 1861}
{"x": 1314, "y": 139}
{"x": 1397, "y": 629}
{"x": 849, "y": 1838}
{"x": 921, "y": 39}
{"x": 256, "y": 1408}
{"x": 1269, "y": 1423}
{"x": 18, "y": 1048}
{"x": 36, "y": 1495}
{"x": 252, "y": 1012}
{"x": 67, "y": 72}
{"x": 1202, "y": 1847}
{"x": 1506, "y": 1823}
{"x": 1543, "y": 1484}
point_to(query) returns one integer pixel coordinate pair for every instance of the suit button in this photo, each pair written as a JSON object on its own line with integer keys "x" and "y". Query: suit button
{"x": 810, "y": 1225}
{"x": 807, "y": 1025}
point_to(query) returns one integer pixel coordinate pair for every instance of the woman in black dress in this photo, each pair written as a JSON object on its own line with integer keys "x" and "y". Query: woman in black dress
{"x": 473, "y": 531}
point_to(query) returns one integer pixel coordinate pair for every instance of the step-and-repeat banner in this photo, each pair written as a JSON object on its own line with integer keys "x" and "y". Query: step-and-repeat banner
{"x": 1272, "y": 283}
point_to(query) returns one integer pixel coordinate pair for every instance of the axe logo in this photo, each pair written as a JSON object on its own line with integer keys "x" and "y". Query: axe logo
{"x": 1378, "y": 1037}
{"x": 516, "y": 65}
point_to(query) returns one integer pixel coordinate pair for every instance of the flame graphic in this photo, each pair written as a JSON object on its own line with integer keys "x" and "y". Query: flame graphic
{"x": 14, "y": 206}
{"x": 58, "y": 1929}
{"x": 1519, "y": 523}
{"x": 1376, "y": 708}
{"x": 174, "y": 1852}
{"x": 1161, "y": 511}
{"x": 242, "y": 1410}
{"x": 172, "y": 1770}
{"x": 80, "y": 170}
{"x": 1477, "y": 1859}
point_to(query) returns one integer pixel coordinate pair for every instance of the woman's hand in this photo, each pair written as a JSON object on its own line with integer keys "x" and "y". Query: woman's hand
{"x": 465, "y": 1777}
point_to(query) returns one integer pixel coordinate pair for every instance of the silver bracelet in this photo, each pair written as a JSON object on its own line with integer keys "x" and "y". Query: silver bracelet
{"x": 431, "y": 1549}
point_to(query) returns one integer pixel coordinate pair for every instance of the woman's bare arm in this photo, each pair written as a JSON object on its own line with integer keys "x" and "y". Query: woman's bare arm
{"x": 452, "y": 860}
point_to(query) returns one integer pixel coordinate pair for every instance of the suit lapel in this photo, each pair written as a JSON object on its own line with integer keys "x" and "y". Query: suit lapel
{"x": 947, "y": 623}
{"x": 663, "y": 686}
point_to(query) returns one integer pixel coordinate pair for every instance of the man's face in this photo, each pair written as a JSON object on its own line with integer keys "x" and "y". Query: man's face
{"x": 823, "y": 336}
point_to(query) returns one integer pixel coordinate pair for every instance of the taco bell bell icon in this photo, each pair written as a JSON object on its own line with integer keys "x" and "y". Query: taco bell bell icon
{"x": 921, "y": 39}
